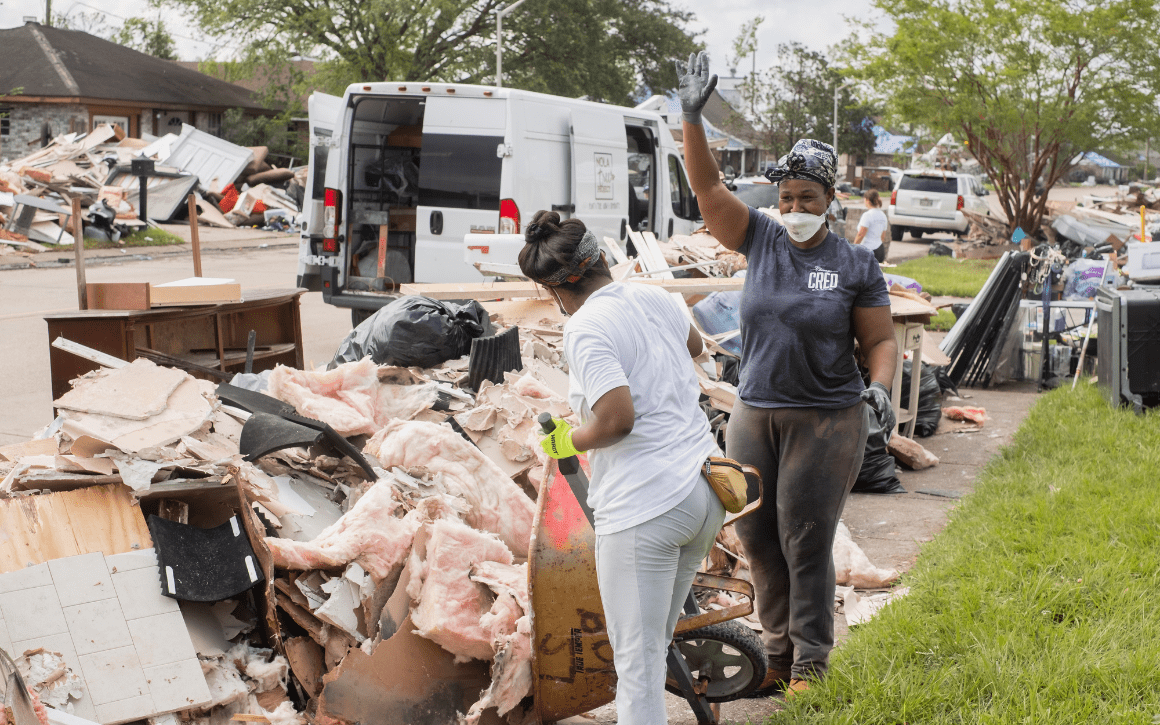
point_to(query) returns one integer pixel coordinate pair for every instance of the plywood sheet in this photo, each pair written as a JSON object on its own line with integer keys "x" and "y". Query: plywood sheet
{"x": 36, "y": 529}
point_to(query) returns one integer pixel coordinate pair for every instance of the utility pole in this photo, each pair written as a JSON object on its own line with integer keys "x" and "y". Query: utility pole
{"x": 48, "y": 13}
{"x": 836, "y": 92}
{"x": 499, "y": 16}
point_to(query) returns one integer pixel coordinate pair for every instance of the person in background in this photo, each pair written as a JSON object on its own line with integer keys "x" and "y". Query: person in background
{"x": 632, "y": 382}
{"x": 803, "y": 412}
{"x": 872, "y": 227}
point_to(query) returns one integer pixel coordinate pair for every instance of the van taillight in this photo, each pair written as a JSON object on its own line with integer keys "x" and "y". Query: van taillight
{"x": 509, "y": 217}
{"x": 894, "y": 198}
{"x": 331, "y": 219}
{"x": 959, "y": 204}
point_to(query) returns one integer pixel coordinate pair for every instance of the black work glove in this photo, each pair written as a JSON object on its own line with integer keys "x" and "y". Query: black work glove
{"x": 878, "y": 398}
{"x": 695, "y": 85}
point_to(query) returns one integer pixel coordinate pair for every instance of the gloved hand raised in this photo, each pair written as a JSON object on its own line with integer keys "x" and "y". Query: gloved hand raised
{"x": 695, "y": 85}
{"x": 558, "y": 443}
{"x": 878, "y": 398}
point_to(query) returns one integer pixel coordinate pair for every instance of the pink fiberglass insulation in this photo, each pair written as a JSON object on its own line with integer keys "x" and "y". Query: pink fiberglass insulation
{"x": 447, "y": 604}
{"x": 374, "y": 533}
{"x": 511, "y": 674}
{"x": 497, "y": 504}
{"x": 350, "y": 397}
{"x": 532, "y": 388}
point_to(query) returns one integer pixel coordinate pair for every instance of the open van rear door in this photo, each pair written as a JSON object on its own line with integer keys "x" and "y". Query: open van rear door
{"x": 600, "y": 171}
{"x": 325, "y": 110}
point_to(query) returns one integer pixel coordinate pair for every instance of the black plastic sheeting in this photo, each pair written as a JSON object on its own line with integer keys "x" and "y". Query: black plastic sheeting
{"x": 877, "y": 472}
{"x": 414, "y": 331}
{"x": 491, "y": 357}
{"x": 975, "y": 350}
{"x": 929, "y": 406}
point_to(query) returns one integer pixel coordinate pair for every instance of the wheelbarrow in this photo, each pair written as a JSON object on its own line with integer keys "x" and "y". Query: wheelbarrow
{"x": 711, "y": 660}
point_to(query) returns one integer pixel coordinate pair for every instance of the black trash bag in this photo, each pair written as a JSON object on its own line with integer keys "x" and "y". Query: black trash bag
{"x": 877, "y": 474}
{"x": 414, "y": 331}
{"x": 929, "y": 406}
{"x": 938, "y": 249}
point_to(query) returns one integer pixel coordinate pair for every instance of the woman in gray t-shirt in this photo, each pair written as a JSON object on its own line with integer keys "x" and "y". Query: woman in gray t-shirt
{"x": 802, "y": 418}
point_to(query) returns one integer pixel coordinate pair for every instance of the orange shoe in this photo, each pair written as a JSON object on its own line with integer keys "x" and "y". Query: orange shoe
{"x": 795, "y": 686}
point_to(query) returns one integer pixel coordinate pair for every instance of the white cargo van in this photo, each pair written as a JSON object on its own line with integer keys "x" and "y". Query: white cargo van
{"x": 400, "y": 173}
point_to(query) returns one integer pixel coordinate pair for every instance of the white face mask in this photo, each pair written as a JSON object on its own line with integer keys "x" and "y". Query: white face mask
{"x": 801, "y": 226}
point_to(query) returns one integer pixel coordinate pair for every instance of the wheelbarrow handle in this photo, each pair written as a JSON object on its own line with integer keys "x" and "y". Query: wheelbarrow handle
{"x": 573, "y": 474}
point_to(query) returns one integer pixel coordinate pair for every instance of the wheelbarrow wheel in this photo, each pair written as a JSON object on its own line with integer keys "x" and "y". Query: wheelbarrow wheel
{"x": 729, "y": 655}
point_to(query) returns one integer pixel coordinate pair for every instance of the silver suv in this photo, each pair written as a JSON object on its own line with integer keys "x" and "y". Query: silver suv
{"x": 933, "y": 201}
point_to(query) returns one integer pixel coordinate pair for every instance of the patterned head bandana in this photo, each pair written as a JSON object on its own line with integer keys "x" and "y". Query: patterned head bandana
{"x": 587, "y": 254}
{"x": 809, "y": 159}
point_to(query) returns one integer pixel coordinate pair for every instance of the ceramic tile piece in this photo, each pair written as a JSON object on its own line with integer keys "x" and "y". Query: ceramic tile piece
{"x": 113, "y": 675}
{"x": 126, "y": 710}
{"x": 62, "y": 644}
{"x": 140, "y": 593}
{"x": 161, "y": 639}
{"x": 177, "y": 686}
{"x": 5, "y": 640}
{"x": 27, "y": 578}
{"x": 131, "y": 560}
{"x": 33, "y": 612}
{"x": 81, "y": 579}
{"x": 97, "y": 626}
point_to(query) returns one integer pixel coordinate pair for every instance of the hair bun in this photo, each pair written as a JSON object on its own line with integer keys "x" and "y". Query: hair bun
{"x": 532, "y": 233}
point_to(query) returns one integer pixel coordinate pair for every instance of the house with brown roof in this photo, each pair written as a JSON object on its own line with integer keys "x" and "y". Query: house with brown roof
{"x": 56, "y": 81}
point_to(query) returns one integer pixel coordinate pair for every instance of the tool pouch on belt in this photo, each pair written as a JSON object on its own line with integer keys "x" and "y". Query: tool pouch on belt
{"x": 728, "y": 482}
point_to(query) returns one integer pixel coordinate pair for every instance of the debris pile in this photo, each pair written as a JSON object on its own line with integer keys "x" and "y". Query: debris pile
{"x": 233, "y": 185}
{"x": 349, "y": 542}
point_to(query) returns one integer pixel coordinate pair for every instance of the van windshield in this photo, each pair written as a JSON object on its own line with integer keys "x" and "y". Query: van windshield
{"x": 460, "y": 172}
{"x": 930, "y": 184}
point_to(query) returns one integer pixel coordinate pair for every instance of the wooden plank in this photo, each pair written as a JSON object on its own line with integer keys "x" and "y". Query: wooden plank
{"x": 52, "y": 526}
{"x": 88, "y": 353}
{"x": 507, "y": 290}
{"x": 118, "y": 295}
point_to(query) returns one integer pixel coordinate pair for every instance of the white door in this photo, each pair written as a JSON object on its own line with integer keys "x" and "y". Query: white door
{"x": 324, "y": 110}
{"x": 600, "y": 170}
{"x": 460, "y": 167}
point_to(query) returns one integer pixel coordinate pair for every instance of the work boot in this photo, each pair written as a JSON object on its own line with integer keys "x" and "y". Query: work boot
{"x": 775, "y": 681}
{"x": 795, "y": 686}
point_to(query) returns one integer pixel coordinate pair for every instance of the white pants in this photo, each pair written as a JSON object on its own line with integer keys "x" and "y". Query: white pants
{"x": 645, "y": 573}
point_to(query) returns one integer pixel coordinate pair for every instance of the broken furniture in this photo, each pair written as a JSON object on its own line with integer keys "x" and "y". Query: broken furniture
{"x": 23, "y": 220}
{"x": 208, "y": 342}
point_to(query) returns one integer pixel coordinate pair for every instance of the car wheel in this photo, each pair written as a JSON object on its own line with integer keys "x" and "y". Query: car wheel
{"x": 916, "y": 234}
{"x": 966, "y": 232}
{"x": 358, "y": 315}
{"x": 896, "y": 233}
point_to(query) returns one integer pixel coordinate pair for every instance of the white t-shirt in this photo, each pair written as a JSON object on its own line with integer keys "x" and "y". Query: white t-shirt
{"x": 875, "y": 222}
{"x": 633, "y": 334}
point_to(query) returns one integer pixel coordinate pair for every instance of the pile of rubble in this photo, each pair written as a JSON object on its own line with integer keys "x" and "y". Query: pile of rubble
{"x": 165, "y": 553}
{"x": 233, "y": 186}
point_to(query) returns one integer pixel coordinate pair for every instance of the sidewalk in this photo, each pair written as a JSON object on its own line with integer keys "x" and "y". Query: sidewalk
{"x": 213, "y": 240}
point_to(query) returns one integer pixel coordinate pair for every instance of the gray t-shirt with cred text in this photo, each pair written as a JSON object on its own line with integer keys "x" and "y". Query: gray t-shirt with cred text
{"x": 797, "y": 331}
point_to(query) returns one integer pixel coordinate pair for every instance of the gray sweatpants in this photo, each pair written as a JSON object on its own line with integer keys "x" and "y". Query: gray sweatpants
{"x": 809, "y": 459}
{"x": 645, "y": 573}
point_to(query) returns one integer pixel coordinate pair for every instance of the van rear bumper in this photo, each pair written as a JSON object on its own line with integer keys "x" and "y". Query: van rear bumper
{"x": 361, "y": 300}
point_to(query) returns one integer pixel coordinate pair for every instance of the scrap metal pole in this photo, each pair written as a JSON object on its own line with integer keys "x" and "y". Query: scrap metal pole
{"x": 79, "y": 254}
{"x": 193, "y": 238}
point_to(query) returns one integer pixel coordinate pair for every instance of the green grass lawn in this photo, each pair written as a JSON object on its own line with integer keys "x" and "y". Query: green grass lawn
{"x": 944, "y": 320}
{"x": 148, "y": 237}
{"x": 1037, "y": 603}
{"x": 944, "y": 276}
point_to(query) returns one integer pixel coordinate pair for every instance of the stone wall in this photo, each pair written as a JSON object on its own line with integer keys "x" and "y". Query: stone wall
{"x": 26, "y": 123}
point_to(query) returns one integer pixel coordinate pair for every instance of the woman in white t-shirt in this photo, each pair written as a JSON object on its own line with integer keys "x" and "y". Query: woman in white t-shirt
{"x": 872, "y": 227}
{"x": 632, "y": 382}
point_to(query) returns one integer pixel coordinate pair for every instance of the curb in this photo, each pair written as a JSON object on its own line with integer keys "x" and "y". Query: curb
{"x": 62, "y": 261}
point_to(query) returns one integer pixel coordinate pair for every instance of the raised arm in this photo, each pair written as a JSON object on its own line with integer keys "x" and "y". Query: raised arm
{"x": 726, "y": 216}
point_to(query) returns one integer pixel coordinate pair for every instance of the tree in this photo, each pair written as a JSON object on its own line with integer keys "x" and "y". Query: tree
{"x": 606, "y": 50}
{"x": 794, "y": 99}
{"x": 1029, "y": 84}
{"x": 746, "y": 44}
{"x": 147, "y": 37}
{"x": 94, "y": 23}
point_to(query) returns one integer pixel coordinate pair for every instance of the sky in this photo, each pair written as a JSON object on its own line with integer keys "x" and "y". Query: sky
{"x": 817, "y": 24}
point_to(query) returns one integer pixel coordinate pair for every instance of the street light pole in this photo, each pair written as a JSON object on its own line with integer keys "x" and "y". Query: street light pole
{"x": 836, "y": 92}
{"x": 499, "y": 16}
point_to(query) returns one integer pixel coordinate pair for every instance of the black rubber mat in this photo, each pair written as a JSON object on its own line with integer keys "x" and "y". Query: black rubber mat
{"x": 204, "y": 565}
